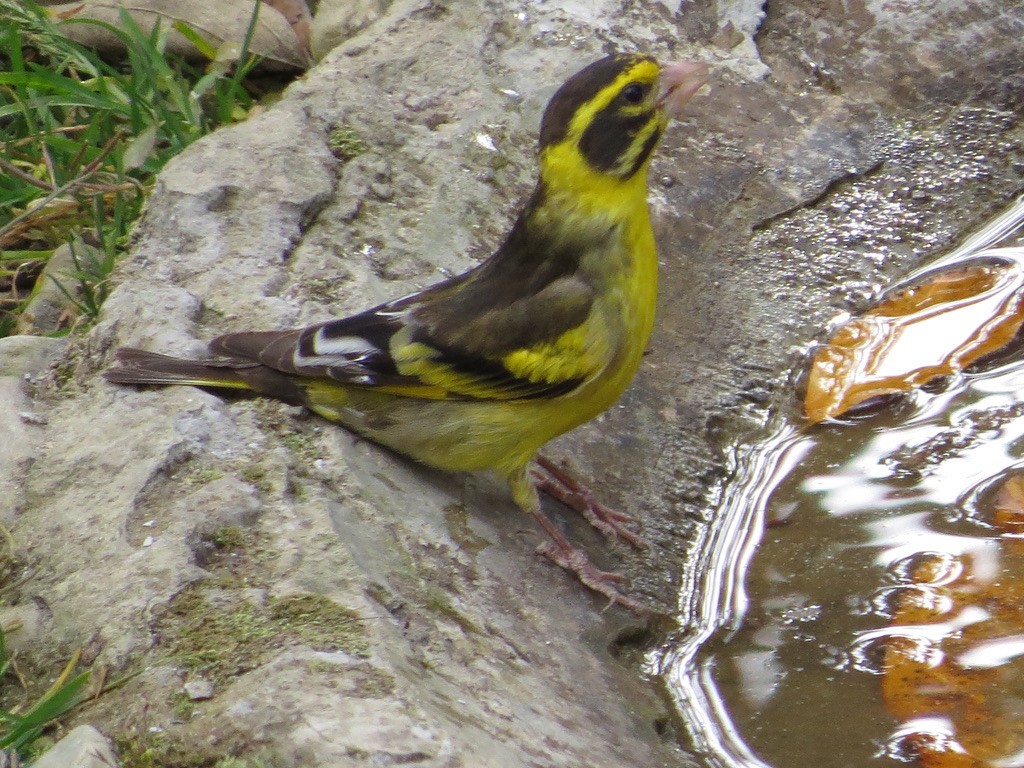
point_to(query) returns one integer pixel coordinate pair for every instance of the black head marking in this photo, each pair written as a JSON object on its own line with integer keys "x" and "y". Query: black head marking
{"x": 608, "y": 137}
{"x": 579, "y": 89}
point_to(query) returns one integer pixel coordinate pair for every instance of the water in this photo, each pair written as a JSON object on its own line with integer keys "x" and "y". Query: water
{"x": 858, "y": 560}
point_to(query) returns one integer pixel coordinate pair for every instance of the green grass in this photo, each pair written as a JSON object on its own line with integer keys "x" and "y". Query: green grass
{"x": 81, "y": 138}
{"x": 20, "y": 726}
{"x": 81, "y": 141}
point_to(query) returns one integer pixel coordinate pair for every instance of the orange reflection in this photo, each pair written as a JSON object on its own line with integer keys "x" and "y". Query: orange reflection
{"x": 934, "y": 328}
{"x": 973, "y": 676}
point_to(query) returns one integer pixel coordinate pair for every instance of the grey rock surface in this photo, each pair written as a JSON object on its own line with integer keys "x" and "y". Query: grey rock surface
{"x": 339, "y": 20}
{"x": 53, "y": 303}
{"x": 29, "y": 355}
{"x": 21, "y": 358}
{"x": 834, "y": 150}
{"x": 84, "y": 747}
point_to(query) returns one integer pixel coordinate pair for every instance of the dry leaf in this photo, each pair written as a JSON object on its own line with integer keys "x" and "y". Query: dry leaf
{"x": 296, "y": 13}
{"x": 935, "y": 328}
{"x": 223, "y": 21}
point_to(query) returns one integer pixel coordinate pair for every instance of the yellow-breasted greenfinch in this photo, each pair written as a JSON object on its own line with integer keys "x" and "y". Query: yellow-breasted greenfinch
{"x": 479, "y": 371}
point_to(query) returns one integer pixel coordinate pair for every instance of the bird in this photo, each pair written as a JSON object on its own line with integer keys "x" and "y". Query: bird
{"x": 479, "y": 371}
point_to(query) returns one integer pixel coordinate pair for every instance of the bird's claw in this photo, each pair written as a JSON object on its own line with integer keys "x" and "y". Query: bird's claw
{"x": 556, "y": 481}
{"x": 602, "y": 582}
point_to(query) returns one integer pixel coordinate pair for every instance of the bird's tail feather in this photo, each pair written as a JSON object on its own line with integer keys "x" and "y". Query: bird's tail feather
{"x": 138, "y": 366}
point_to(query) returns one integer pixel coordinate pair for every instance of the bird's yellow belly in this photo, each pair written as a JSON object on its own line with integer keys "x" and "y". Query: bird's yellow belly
{"x": 461, "y": 435}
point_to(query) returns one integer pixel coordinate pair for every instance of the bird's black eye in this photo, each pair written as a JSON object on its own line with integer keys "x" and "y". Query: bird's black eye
{"x": 633, "y": 93}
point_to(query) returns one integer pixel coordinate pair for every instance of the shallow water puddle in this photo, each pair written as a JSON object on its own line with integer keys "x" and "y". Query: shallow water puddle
{"x": 860, "y": 601}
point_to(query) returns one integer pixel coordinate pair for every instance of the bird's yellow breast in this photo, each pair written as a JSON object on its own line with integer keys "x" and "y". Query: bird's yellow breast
{"x": 608, "y": 347}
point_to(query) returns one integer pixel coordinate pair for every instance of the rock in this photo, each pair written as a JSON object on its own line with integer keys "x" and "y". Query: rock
{"x": 338, "y": 20}
{"x": 21, "y": 355}
{"x": 24, "y": 626}
{"x": 198, "y": 690}
{"x": 84, "y": 747}
{"x": 20, "y": 439}
{"x": 53, "y": 304}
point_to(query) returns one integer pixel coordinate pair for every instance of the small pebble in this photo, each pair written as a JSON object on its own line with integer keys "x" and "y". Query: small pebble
{"x": 31, "y": 417}
{"x": 199, "y": 690}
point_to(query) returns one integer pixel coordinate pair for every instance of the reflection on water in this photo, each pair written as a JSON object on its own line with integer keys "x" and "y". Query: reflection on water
{"x": 877, "y": 572}
{"x": 935, "y": 327}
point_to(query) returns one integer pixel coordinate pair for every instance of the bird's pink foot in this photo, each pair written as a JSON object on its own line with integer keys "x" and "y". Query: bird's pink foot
{"x": 555, "y": 480}
{"x": 602, "y": 582}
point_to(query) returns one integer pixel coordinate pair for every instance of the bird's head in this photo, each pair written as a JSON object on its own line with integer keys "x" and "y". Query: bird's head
{"x": 603, "y": 124}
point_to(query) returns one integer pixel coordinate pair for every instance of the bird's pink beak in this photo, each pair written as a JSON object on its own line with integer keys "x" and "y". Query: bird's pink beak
{"x": 680, "y": 81}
